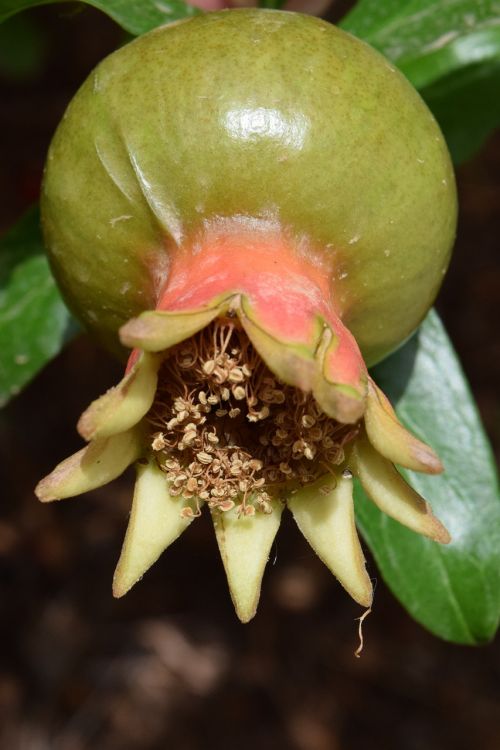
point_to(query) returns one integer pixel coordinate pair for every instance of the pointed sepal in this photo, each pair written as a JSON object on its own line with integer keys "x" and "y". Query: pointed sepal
{"x": 312, "y": 359}
{"x": 293, "y": 362}
{"x": 244, "y": 544}
{"x": 340, "y": 385}
{"x": 394, "y": 442}
{"x": 124, "y": 405}
{"x": 157, "y": 330}
{"x": 94, "y": 466}
{"x": 385, "y": 486}
{"x": 324, "y": 512}
{"x": 156, "y": 520}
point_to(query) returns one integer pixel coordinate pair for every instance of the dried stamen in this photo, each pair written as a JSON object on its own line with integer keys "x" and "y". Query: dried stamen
{"x": 220, "y": 429}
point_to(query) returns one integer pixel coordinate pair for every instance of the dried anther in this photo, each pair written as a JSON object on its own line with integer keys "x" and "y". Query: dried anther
{"x": 262, "y": 446}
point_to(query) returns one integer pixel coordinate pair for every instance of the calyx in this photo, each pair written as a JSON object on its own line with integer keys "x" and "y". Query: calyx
{"x": 245, "y": 393}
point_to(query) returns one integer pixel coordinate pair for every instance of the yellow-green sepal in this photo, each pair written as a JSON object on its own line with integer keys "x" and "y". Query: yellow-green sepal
{"x": 124, "y": 405}
{"x": 156, "y": 520}
{"x": 245, "y": 544}
{"x": 385, "y": 486}
{"x": 293, "y": 362}
{"x": 324, "y": 512}
{"x": 158, "y": 330}
{"x": 94, "y": 466}
{"x": 392, "y": 440}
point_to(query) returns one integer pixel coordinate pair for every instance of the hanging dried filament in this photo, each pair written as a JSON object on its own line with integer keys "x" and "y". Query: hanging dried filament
{"x": 226, "y": 431}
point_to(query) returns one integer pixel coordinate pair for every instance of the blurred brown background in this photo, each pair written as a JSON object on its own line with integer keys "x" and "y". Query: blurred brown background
{"x": 170, "y": 666}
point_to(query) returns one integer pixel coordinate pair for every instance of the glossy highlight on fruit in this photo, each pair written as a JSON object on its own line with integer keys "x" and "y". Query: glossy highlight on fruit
{"x": 259, "y": 206}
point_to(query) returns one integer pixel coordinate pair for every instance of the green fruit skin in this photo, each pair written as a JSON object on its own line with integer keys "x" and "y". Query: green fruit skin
{"x": 255, "y": 116}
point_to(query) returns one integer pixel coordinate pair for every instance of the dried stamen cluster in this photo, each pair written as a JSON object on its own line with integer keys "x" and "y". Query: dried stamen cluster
{"x": 222, "y": 432}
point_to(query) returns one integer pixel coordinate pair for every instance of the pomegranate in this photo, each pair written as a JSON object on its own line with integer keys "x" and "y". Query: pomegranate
{"x": 259, "y": 206}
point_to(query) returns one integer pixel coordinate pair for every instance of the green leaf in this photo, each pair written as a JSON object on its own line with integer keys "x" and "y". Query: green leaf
{"x": 453, "y": 590}
{"x": 271, "y": 3}
{"x": 429, "y": 39}
{"x": 34, "y": 322}
{"x": 135, "y": 16}
{"x": 467, "y": 106}
{"x": 23, "y": 48}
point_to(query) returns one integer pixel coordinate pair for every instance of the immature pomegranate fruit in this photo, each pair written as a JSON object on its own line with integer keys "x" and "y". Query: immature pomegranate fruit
{"x": 259, "y": 206}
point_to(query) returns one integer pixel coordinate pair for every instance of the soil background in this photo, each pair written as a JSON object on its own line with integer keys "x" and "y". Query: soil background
{"x": 170, "y": 665}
